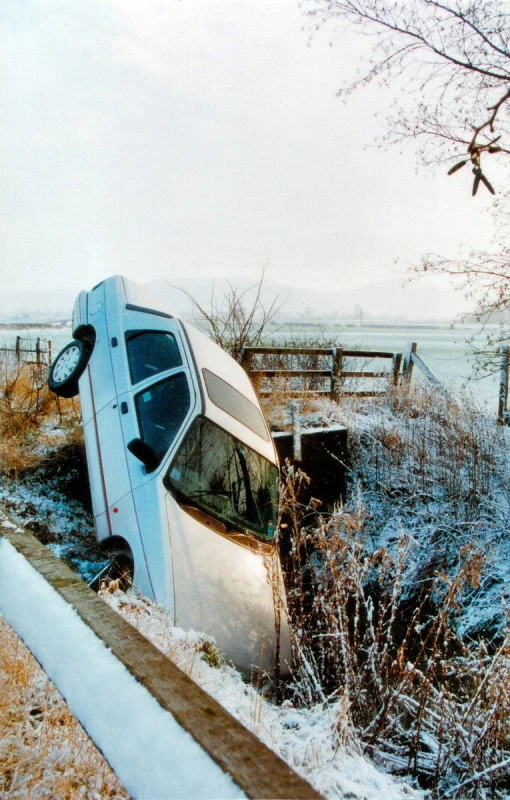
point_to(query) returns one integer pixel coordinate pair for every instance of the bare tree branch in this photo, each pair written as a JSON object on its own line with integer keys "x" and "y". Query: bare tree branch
{"x": 453, "y": 61}
{"x": 239, "y": 318}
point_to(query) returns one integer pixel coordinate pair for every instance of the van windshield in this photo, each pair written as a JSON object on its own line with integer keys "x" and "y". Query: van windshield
{"x": 219, "y": 474}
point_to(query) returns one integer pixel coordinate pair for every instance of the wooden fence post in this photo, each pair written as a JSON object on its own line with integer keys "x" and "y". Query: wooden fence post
{"x": 336, "y": 372}
{"x": 48, "y": 349}
{"x": 503, "y": 384}
{"x": 18, "y": 349}
{"x": 397, "y": 361}
{"x": 38, "y": 351}
{"x": 408, "y": 362}
{"x": 246, "y": 359}
{"x": 295, "y": 408}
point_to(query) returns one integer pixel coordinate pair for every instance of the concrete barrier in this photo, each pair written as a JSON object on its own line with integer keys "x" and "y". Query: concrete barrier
{"x": 222, "y": 757}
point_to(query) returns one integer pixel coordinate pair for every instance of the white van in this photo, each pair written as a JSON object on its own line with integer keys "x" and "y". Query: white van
{"x": 183, "y": 469}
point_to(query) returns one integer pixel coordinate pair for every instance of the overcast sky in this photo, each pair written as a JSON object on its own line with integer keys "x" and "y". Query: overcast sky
{"x": 170, "y": 139}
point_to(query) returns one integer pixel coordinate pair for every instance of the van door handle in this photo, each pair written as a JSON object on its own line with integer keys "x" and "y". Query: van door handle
{"x": 124, "y": 407}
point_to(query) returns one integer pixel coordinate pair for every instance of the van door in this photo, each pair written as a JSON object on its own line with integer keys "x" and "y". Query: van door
{"x": 160, "y": 395}
{"x": 157, "y": 414}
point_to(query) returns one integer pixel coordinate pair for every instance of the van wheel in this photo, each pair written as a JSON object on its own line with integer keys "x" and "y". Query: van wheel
{"x": 68, "y": 367}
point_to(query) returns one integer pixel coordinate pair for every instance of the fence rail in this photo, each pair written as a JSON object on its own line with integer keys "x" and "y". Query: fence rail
{"x": 323, "y": 373}
{"x": 321, "y": 370}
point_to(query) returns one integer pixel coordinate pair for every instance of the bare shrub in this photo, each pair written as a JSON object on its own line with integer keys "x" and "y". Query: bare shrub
{"x": 24, "y": 396}
{"x": 27, "y": 410}
{"x": 237, "y": 319}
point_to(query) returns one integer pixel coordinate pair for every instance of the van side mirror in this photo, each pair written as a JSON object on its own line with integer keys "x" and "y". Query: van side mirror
{"x": 144, "y": 453}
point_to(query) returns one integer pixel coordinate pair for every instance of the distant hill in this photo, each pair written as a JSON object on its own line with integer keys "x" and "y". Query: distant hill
{"x": 419, "y": 301}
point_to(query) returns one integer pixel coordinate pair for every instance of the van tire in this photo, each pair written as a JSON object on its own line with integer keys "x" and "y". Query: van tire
{"x": 68, "y": 367}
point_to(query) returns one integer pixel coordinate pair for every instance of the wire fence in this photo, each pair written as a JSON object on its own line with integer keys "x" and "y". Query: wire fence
{"x": 28, "y": 351}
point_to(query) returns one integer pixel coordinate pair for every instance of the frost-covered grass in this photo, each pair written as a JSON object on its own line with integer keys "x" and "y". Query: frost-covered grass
{"x": 43, "y": 473}
{"x": 398, "y": 597}
{"x": 316, "y": 741}
{"x": 44, "y": 751}
{"x": 422, "y": 699}
{"x": 437, "y": 471}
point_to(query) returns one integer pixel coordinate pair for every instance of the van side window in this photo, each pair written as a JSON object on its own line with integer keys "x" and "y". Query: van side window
{"x": 161, "y": 410}
{"x": 151, "y": 352}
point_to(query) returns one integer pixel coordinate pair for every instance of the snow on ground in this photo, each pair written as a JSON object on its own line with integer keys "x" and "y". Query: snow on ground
{"x": 52, "y": 504}
{"x": 314, "y": 742}
{"x": 153, "y": 757}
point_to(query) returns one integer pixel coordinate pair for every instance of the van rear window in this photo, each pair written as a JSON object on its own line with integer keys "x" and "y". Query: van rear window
{"x": 223, "y": 395}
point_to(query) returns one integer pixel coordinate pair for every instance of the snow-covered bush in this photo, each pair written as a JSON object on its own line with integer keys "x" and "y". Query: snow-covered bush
{"x": 384, "y": 591}
{"x": 422, "y": 699}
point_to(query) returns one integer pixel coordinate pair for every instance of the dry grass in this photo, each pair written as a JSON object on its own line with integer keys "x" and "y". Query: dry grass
{"x": 29, "y": 416}
{"x": 44, "y": 751}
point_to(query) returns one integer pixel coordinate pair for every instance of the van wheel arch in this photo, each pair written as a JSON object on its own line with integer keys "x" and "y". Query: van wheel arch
{"x": 122, "y": 562}
{"x": 85, "y": 334}
{"x": 116, "y": 544}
